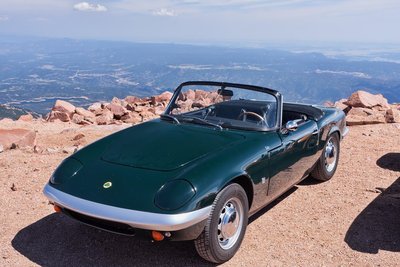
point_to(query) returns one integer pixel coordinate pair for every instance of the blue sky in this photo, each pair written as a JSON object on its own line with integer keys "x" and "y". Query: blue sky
{"x": 242, "y": 22}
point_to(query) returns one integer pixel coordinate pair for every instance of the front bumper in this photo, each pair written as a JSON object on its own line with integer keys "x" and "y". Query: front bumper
{"x": 133, "y": 218}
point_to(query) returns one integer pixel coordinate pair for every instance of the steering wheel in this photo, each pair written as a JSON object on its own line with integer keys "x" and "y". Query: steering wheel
{"x": 244, "y": 114}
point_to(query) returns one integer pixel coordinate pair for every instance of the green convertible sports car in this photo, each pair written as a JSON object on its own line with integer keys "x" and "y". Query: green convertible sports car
{"x": 219, "y": 153}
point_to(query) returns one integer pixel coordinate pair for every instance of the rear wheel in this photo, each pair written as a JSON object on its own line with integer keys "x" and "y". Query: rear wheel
{"x": 226, "y": 226}
{"x": 328, "y": 162}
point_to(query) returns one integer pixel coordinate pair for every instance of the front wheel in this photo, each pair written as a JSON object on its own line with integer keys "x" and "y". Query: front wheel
{"x": 226, "y": 226}
{"x": 328, "y": 162}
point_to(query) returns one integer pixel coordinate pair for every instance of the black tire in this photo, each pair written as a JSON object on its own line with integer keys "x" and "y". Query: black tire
{"x": 211, "y": 244}
{"x": 322, "y": 170}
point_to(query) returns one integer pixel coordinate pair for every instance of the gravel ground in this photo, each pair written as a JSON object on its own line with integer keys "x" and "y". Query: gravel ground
{"x": 352, "y": 220}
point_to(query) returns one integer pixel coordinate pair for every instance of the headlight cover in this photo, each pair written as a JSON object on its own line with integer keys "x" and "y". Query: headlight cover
{"x": 174, "y": 194}
{"x": 67, "y": 169}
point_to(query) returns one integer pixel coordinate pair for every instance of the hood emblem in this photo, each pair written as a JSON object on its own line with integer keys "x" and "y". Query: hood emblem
{"x": 107, "y": 185}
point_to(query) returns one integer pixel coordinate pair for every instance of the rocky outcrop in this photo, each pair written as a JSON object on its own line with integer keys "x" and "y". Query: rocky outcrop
{"x": 131, "y": 109}
{"x": 365, "y": 108}
{"x": 364, "y": 99}
{"x": 13, "y": 138}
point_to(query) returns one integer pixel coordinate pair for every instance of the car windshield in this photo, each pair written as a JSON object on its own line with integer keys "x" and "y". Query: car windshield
{"x": 222, "y": 106}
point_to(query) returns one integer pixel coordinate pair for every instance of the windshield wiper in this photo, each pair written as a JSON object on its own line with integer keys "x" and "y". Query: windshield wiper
{"x": 167, "y": 116}
{"x": 202, "y": 121}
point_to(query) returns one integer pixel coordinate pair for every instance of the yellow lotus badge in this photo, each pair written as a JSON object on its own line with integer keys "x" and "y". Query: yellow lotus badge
{"x": 107, "y": 185}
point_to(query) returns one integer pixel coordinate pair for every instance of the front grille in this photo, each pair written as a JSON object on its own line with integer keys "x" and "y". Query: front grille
{"x": 111, "y": 226}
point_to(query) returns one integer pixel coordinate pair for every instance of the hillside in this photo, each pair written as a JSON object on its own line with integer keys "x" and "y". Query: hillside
{"x": 350, "y": 220}
{"x": 11, "y": 112}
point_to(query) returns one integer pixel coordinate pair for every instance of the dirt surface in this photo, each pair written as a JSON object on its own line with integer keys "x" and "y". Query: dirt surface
{"x": 354, "y": 219}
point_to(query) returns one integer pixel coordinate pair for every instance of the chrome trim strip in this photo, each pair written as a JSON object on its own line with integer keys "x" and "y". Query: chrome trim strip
{"x": 345, "y": 131}
{"x": 134, "y": 218}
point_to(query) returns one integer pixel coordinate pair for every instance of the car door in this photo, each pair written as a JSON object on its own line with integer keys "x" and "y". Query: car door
{"x": 289, "y": 163}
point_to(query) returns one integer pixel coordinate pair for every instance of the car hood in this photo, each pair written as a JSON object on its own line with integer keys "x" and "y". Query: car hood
{"x": 164, "y": 146}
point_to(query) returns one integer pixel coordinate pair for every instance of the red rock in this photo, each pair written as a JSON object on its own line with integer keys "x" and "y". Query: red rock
{"x": 77, "y": 119}
{"x": 58, "y": 115}
{"x": 85, "y": 113}
{"x": 78, "y": 136}
{"x": 116, "y": 101}
{"x": 27, "y": 117}
{"x": 392, "y": 116}
{"x": 131, "y": 117}
{"x": 164, "y": 97}
{"x": 6, "y": 120}
{"x": 190, "y": 94}
{"x": 366, "y": 100}
{"x": 200, "y": 94}
{"x": 362, "y": 120}
{"x": 64, "y": 106}
{"x": 132, "y": 99}
{"x": 95, "y": 107}
{"x": 117, "y": 110}
{"x": 105, "y": 118}
{"x": 17, "y": 138}
{"x": 147, "y": 115}
{"x": 361, "y": 112}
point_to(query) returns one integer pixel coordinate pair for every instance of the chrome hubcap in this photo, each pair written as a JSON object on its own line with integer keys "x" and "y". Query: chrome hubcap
{"x": 330, "y": 155}
{"x": 230, "y": 223}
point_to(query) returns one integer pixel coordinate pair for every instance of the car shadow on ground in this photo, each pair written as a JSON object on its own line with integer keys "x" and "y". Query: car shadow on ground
{"x": 377, "y": 227}
{"x": 57, "y": 240}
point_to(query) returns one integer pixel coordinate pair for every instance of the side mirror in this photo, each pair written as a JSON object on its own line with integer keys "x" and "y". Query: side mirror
{"x": 291, "y": 125}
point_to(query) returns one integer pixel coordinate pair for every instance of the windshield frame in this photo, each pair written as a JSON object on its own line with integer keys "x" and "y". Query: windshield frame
{"x": 278, "y": 97}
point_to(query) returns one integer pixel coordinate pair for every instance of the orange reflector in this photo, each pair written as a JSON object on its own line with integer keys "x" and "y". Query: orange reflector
{"x": 57, "y": 208}
{"x": 157, "y": 236}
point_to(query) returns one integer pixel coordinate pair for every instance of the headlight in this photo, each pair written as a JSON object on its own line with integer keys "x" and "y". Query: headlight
{"x": 174, "y": 194}
{"x": 67, "y": 169}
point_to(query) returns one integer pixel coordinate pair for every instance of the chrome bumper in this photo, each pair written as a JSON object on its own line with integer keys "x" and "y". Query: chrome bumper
{"x": 136, "y": 219}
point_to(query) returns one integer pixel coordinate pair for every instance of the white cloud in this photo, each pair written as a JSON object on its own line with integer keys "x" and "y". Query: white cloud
{"x": 3, "y": 18}
{"x": 85, "y": 6}
{"x": 164, "y": 12}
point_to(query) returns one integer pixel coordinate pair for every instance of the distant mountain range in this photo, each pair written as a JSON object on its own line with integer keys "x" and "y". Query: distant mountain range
{"x": 35, "y": 72}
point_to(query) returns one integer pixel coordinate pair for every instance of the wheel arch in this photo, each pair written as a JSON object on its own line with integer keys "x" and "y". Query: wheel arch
{"x": 245, "y": 182}
{"x": 336, "y": 130}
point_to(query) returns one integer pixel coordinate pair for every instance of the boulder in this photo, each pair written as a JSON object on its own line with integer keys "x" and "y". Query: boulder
{"x": 64, "y": 106}
{"x": 392, "y": 116}
{"x": 105, "y": 118}
{"x": 361, "y": 112}
{"x": 6, "y": 120}
{"x": 132, "y": 99}
{"x": 147, "y": 115}
{"x": 77, "y": 119}
{"x": 164, "y": 97}
{"x": 59, "y": 115}
{"x": 17, "y": 138}
{"x": 200, "y": 94}
{"x": 116, "y": 101}
{"x": 117, "y": 110}
{"x": 27, "y": 118}
{"x": 366, "y": 100}
{"x": 131, "y": 117}
{"x": 190, "y": 95}
{"x": 95, "y": 107}
{"x": 85, "y": 113}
